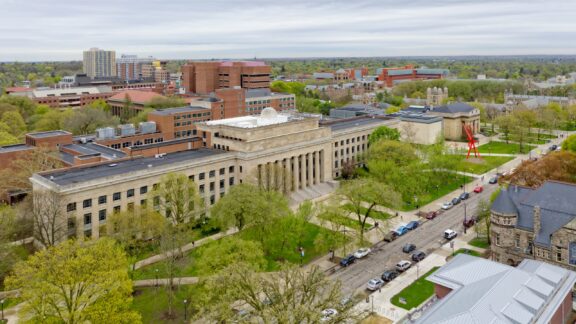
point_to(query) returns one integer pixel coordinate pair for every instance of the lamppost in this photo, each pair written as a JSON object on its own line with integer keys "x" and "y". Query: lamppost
{"x": 465, "y": 218}
{"x": 156, "y": 276}
{"x": 185, "y": 309}
{"x": 2, "y": 303}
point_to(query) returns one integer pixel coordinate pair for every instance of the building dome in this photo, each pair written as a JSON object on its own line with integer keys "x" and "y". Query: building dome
{"x": 268, "y": 113}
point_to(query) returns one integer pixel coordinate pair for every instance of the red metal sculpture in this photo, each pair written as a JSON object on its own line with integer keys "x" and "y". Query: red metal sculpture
{"x": 471, "y": 142}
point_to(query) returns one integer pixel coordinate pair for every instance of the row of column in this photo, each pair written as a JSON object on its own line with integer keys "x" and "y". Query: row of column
{"x": 293, "y": 173}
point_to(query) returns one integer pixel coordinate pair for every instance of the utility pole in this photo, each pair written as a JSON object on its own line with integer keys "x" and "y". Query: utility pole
{"x": 465, "y": 218}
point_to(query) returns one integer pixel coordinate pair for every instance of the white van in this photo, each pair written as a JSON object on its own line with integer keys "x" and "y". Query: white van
{"x": 450, "y": 234}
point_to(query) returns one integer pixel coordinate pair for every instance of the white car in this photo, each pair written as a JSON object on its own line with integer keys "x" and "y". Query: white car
{"x": 450, "y": 234}
{"x": 403, "y": 265}
{"x": 375, "y": 284}
{"x": 362, "y": 253}
{"x": 447, "y": 205}
{"x": 327, "y": 314}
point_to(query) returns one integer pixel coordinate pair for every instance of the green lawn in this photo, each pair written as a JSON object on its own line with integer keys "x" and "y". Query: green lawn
{"x": 469, "y": 252}
{"x": 503, "y": 148}
{"x": 488, "y": 163}
{"x": 416, "y": 293}
{"x": 152, "y": 303}
{"x": 375, "y": 214}
{"x": 451, "y": 182}
{"x": 187, "y": 268}
{"x": 11, "y": 302}
{"x": 480, "y": 242}
{"x": 343, "y": 220}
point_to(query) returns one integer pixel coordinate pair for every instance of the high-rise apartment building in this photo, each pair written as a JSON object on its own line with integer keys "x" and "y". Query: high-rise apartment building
{"x": 99, "y": 63}
{"x": 206, "y": 77}
{"x": 130, "y": 67}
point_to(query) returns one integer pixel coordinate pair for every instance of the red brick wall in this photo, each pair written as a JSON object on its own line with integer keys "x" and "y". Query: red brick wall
{"x": 234, "y": 102}
{"x": 563, "y": 312}
{"x": 441, "y": 291}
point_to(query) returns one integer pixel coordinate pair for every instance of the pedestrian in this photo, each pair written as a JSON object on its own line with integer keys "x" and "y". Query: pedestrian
{"x": 192, "y": 243}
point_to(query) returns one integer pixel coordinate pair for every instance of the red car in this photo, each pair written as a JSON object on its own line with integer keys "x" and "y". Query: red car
{"x": 431, "y": 215}
{"x": 478, "y": 189}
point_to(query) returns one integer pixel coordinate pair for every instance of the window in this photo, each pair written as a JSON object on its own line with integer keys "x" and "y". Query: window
{"x": 231, "y": 181}
{"x": 211, "y": 186}
{"x": 155, "y": 186}
{"x": 102, "y": 200}
{"x": 130, "y": 193}
{"x": 116, "y": 209}
{"x": 231, "y": 169}
{"x": 201, "y": 176}
{"x": 102, "y": 215}
{"x": 88, "y": 219}
{"x": 222, "y": 182}
{"x": 71, "y": 223}
{"x": 131, "y": 206}
{"x": 143, "y": 190}
{"x": 87, "y": 203}
{"x": 71, "y": 207}
{"x": 191, "y": 178}
{"x": 497, "y": 238}
{"x": 517, "y": 240}
{"x": 116, "y": 196}
{"x": 212, "y": 174}
{"x": 201, "y": 188}
{"x": 559, "y": 254}
{"x": 212, "y": 199}
{"x": 143, "y": 202}
{"x": 222, "y": 171}
{"x": 156, "y": 202}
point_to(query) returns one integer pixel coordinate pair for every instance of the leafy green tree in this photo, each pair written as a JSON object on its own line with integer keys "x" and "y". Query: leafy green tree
{"x": 506, "y": 124}
{"x": 100, "y": 104}
{"x": 384, "y": 132}
{"x": 230, "y": 250}
{"x": 86, "y": 120}
{"x": 26, "y": 106}
{"x": 178, "y": 198}
{"x": 15, "y": 122}
{"x": 7, "y": 139}
{"x": 76, "y": 282}
{"x": 52, "y": 120}
{"x": 570, "y": 143}
{"x": 165, "y": 102}
{"x": 484, "y": 221}
{"x": 142, "y": 116}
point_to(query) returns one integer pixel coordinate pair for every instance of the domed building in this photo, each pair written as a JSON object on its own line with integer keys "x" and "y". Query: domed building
{"x": 536, "y": 224}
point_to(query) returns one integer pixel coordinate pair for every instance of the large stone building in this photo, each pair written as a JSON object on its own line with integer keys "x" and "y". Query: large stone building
{"x": 436, "y": 96}
{"x": 455, "y": 116}
{"x": 99, "y": 63}
{"x": 535, "y": 224}
{"x": 239, "y": 149}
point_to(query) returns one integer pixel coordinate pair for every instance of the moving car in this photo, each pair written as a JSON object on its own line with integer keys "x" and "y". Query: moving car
{"x": 403, "y": 265}
{"x": 553, "y": 147}
{"x": 327, "y": 314}
{"x": 375, "y": 284}
{"x": 401, "y": 230}
{"x": 469, "y": 222}
{"x": 450, "y": 234}
{"x": 493, "y": 180}
{"x": 447, "y": 205}
{"x": 456, "y": 201}
{"x": 418, "y": 256}
{"x": 412, "y": 225}
{"x": 389, "y": 275}
{"x": 478, "y": 189}
{"x": 408, "y": 248}
{"x": 362, "y": 253}
{"x": 391, "y": 236}
{"x": 464, "y": 196}
{"x": 348, "y": 260}
{"x": 431, "y": 215}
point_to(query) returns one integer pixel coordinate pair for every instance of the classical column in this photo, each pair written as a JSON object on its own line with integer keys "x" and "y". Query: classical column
{"x": 296, "y": 173}
{"x": 310, "y": 169}
{"x": 317, "y": 167}
{"x": 303, "y": 181}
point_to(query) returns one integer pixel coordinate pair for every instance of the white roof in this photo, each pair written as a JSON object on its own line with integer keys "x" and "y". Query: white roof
{"x": 268, "y": 116}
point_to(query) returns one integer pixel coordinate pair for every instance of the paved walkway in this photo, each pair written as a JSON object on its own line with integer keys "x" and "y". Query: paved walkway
{"x": 164, "y": 282}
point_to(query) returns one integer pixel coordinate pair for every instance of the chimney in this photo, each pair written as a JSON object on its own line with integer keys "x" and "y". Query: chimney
{"x": 536, "y": 220}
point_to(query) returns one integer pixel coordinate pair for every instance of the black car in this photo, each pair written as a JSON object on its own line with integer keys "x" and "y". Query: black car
{"x": 408, "y": 248}
{"x": 389, "y": 275}
{"x": 553, "y": 147}
{"x": 493, "y": 180}
{"x": 418, "y": 256}
{"x": 464, "y": 196}
{"x": 456, "y": 201}
{"x": 348, "y": 260}
{"x": 391, "y": 236}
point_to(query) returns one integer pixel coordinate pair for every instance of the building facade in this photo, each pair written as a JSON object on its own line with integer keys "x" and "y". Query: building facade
{"x": 99, "y": 63}
{"x": 436, "y": 96}
{"x": 393, "y": 76}
{"x": 535, "y": 224}
{"x": 207, "y": 77}
{"x": 238, "y": 149}
{"x": 130, "y": 67}
{"x": 455, "y": 117}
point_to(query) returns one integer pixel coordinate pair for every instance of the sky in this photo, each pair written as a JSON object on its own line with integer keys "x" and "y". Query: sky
{"x": 39, "y": 30}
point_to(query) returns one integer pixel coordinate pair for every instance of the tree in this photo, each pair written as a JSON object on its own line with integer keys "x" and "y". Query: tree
{"x": 52, "y": 120}
{"x": 337, "y": 234}
{"x": 50, "y": 224}
{"x": 14, "y": 120}
{"x": 559, "y": 166}
{"x": 483, "y": 223}
{"x": 100, "y": 104}
{"x": 384, "y": 132}
{"x": 178, "y": 198}
{"x": 292, "y": 295}
{"x": 359, "y": 193}
{"x": 246, "y": 205}
{"x": 570, "y": 143}
{"x": 230, "y": 250}
{"x": 165, "y": 102}
{"x": 506, "y": 125}
{"x": 86, "y": 120}
{"x": 7, "y": 139}
{"x": 171, "y": 244}
{"x": 76, "y": 282}
{"x": 273, "y": 177}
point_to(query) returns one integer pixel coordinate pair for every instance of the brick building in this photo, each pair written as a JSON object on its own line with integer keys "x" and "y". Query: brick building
{"x": 67, "y": 97}
{"x": 138, "y": 100}
{"x": 392, "y": 76}
{"x": 535, "y": 224}
{"x": 206, "y": 77}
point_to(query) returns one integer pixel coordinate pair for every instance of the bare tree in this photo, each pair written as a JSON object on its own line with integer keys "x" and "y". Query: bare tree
{"x": 178, "y": 198}
{"x": 50, "y": 224}
{"x": 171, "y": 246}
{"x": 272, "y": 177}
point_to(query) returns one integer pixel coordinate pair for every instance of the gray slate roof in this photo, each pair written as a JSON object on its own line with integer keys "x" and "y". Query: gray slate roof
{"x": 557, "y": 202}
{"x": 457, "y": 107}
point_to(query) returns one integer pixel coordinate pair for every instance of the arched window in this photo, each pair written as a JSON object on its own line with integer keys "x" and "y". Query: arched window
{"x": 572, "y": 252}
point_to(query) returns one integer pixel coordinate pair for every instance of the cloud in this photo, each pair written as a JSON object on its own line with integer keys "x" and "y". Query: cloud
{"x": 61, "y": 29}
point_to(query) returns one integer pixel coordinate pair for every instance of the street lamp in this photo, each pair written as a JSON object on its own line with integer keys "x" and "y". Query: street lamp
{"x": 185, "y": 309}
{"x": 465, "y": 218}
{"x": 156, "y": 275}
{"x": 2, "y": 303}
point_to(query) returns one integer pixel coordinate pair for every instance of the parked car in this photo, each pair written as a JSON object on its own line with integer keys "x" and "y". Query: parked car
{"x": 431, "y": 215}
{"x": 327, "y": 314}
{"x": 469, "y": 222}
{"x": 391, "y": 236}
{"x": 401, "y": 230}
{"x": 464, "y": 196}
{"x": 403, "y": 265}
{"x": 447, "y": 205}
{"x": 408, "y": 248}
{"x": 375, "y": 284}
{"x": 450, "y": 234}
{"x": 418, "y": 256}
{"x": 412, "y": 225}
{"x": 478, "y": 189}
{"x": 362, "y": 253}
{"x": 348, "y": 260}
{"x": 553, "y": 147}
{"x": 456, "y": 201}
{"x": 493, "y": 180}
{"x": 389, "y": 275}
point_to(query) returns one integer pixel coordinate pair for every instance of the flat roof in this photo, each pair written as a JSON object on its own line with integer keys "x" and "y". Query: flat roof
{"x": 176, "y": 110}
{"x": 98, "y": 171}
{"x": 351, "y": 123}
{"x": 48, "y": 134}
{"x": 268, "y": 116}
{"x": 15, "y": 148}
{"x": 93, "y": 148}
{"x": 165, "y": 143}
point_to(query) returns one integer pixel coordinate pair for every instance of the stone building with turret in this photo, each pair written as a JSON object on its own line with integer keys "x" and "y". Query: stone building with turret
{"x": 535, "y": 224}
{"x": 436, "y": 96}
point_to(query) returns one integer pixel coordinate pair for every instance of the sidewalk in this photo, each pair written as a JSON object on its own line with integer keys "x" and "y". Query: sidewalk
{"x": 164, "y": 282}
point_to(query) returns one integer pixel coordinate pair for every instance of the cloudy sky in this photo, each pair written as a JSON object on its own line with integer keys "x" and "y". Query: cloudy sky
{"x": 61, "y": 29}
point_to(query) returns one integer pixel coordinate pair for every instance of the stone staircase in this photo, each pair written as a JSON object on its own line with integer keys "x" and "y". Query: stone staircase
{"x": 312, "y": 192}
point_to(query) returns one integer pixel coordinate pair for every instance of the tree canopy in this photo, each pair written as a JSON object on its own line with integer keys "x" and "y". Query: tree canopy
{"x": 384, "y": 132}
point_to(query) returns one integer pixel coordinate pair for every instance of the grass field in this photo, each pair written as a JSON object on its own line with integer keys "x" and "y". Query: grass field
{"x": 469, "y": 252}
{"x": 343, "y": 220}
{"x": 480, "y": 242}
{"x": 503, "y": 148}
{"x": 452, "y": 182}
{"x": 488, "y": 163}
{"x": 152, "y": 303}
{"x": 416, "y": 293}
{"x": 377, "y": 215}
